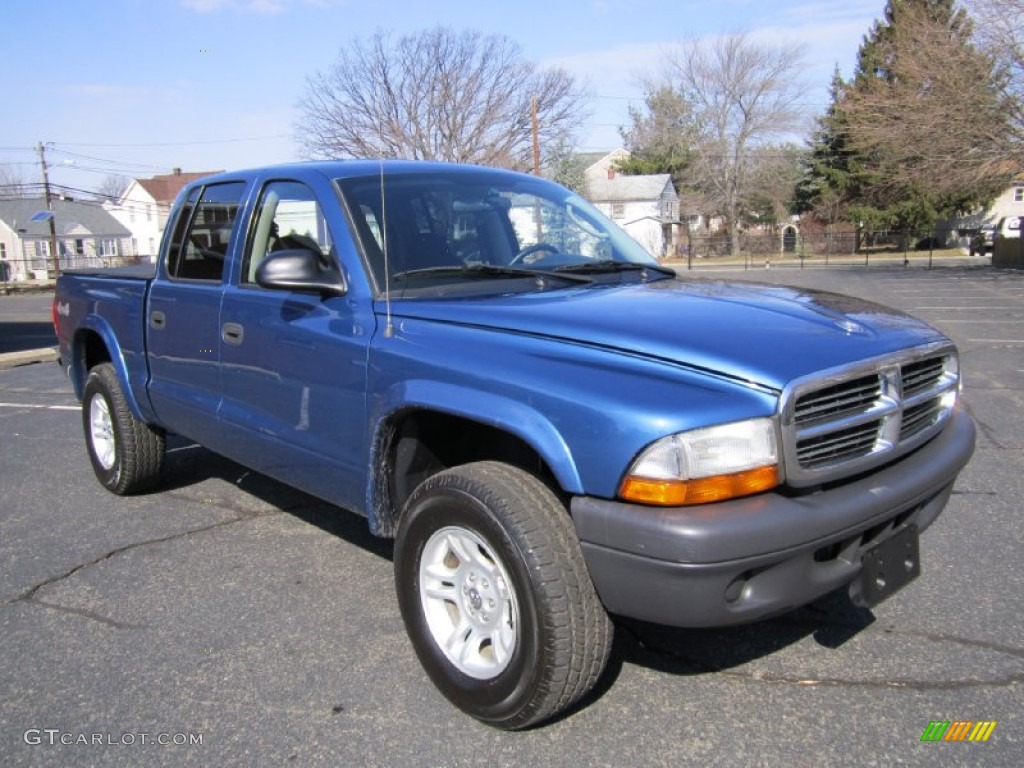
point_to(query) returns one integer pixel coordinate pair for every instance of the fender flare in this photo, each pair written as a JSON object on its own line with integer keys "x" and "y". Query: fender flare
{"x": 94, "y": 324}
{"x": 511, "y": 416}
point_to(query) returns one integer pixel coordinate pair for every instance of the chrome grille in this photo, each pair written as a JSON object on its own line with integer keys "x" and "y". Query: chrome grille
{"x": 838, "y": 446}
{"x": 922, "y": 375}
{"x": 849, "y": 420}
{"x": 920, "y": 417}
{"x": 839, "y": 400}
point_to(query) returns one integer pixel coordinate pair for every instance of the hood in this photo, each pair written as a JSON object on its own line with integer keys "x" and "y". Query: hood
{"x": 763, "y": 334}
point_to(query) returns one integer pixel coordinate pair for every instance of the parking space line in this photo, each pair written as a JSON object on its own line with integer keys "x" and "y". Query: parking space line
{"x": 42, "y": 407}
{"x": 974, "y": 309}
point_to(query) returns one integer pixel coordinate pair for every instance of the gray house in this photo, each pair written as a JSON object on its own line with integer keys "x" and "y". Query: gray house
{"x": 647, "y": 207}
{"x": 87, "y": 236}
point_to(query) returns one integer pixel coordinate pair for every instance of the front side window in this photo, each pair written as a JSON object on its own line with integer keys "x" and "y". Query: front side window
{"x": 288, "y": 217}
{"x": 202, "y": 234}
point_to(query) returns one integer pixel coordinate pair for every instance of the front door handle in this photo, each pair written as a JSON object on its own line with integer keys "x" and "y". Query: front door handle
{"x": 157, "y": 320}
{"x": 232, "y": 333}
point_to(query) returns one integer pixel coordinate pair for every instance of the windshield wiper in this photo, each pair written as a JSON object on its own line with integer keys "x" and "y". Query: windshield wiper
{"x": 609, "y": 265}
{"x": 487, "y": 271}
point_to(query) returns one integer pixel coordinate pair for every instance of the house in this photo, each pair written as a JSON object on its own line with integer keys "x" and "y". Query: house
{"x": 87, "y": 236}
{"x": 1009, "y": 203}
{"x": 145, "y": 206}
{"x": 646, "y": 206}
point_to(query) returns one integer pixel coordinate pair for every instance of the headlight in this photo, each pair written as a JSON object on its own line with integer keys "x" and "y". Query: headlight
{"x": 703, "y": 465}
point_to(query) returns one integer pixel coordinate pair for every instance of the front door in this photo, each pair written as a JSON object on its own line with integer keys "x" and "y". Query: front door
{"x": 293, "y": 364}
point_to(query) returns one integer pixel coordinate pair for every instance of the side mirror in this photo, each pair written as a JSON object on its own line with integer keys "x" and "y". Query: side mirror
{"x": 299, "y": 269}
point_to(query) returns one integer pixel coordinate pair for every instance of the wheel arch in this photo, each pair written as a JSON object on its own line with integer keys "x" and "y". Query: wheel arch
{"x": 94, "y": 342}
{"x": 417, "y": 439}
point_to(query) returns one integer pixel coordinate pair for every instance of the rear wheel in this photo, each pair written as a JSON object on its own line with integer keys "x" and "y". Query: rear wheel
{"x": 496, "y": 596}
{"x": 126, "y": 454}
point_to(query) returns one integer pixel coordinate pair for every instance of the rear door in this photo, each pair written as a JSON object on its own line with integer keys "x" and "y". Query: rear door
{"x": 183, "y": 315}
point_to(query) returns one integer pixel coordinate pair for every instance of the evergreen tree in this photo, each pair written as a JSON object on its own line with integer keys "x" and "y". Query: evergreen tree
{"x": 829, "y": 173}
{"x": 919, "y": 132}
{"x": 660, "y": 137}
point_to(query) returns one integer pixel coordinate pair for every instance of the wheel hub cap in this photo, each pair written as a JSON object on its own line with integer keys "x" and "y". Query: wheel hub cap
{"x": 468, "y": 602}
{"x": 101, "y": 432}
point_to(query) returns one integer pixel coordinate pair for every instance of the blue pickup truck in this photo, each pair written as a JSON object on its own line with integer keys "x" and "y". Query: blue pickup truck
{"x": 553, "y": 427}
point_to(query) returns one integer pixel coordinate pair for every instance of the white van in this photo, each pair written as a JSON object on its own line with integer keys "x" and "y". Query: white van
{"x": 1008, "y": 226}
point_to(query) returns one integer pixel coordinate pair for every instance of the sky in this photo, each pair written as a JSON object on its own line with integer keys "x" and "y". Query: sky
{"x": 138, "y": 87}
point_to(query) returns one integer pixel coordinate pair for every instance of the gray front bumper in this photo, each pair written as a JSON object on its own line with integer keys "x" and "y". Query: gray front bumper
{"x": 748, "y": 559}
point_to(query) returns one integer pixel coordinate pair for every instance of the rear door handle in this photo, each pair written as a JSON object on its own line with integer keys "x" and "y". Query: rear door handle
{"x": 157, "y": 319}
{"x": 232, "y": 333}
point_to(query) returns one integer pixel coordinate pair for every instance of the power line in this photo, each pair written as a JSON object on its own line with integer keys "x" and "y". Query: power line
{"x": 176, "y": 143}
{"x": 108, "y": 160}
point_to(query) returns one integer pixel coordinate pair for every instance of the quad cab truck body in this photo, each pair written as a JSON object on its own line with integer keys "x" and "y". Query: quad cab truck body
{"x": 554, "y": 428}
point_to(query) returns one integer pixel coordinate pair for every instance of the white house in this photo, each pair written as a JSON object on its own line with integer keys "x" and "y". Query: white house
{"x": 145, "y": 206}
{"x": 87, "y": 236}
{"x": 646, "y": 206}
{"x": 1009, "y": 203}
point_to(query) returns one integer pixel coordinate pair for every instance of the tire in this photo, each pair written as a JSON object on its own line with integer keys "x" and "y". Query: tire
{"x": 496, "y": 596}
{"x": 126, "y": 454}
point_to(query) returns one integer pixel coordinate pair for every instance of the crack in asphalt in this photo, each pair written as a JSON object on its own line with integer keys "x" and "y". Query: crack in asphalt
{"x": 707, "y": 667}
{"x": 986, "y": 430}
{"x": 30, "y": 595}
{"x": 87, "y": 614}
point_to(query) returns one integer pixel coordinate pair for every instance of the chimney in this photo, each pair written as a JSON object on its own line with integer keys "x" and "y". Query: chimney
{"x": 177, "y": 171}
{"x": 611, "y": 172}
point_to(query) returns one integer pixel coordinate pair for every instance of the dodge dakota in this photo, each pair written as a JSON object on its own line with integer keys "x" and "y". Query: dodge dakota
{"x": 553, "y": 427}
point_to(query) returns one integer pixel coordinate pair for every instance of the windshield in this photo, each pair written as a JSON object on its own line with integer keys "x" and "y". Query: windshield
{"x": 432, "y": 225}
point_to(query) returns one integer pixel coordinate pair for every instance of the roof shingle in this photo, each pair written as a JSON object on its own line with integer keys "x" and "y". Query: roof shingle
{"x": 70, "y": 217}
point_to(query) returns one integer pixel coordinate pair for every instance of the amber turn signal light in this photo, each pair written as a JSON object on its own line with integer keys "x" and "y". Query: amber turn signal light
{"x": 677, "y": 493}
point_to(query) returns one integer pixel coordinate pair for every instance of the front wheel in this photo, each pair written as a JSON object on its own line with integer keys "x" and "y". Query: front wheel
{"x": 126, "y": 454}
{"x": 496, "y": 596}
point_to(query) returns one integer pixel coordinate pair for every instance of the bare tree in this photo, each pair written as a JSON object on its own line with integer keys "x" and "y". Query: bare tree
{"x": 935, "y": 119}
{"x": 112, "y": 187}
{"x": 1000, "y": 33}
{"x": 12, "y": 184}
{"x": 775, "y": 171}
{"x": 743, "y": 94}
{"x": 436, "y": 94}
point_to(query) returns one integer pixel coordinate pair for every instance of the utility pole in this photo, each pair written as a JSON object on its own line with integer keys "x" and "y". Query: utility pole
{"x": 49, "y": 206}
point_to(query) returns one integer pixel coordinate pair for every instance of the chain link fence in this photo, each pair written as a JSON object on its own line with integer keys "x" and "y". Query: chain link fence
{"x": 790, "y": 247}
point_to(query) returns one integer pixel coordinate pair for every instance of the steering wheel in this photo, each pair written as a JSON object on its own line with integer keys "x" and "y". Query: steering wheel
{"x": 531, "y": 249}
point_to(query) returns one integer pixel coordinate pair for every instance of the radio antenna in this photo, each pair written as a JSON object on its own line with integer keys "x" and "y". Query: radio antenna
{"x": 389, "y": 327}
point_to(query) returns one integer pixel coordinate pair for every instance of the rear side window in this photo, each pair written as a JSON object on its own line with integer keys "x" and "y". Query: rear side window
{"x": 203, "y": 232}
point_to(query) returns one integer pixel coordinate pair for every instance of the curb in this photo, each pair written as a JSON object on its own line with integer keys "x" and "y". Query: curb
{"x": 27, "y": 357}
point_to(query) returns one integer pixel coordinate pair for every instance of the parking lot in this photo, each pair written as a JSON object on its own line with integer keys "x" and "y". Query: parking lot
{"x": 228, "y": 620}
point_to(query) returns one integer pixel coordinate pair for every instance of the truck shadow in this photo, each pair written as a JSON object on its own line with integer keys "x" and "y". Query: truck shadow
{"x": 21, "y": 336}
{"x": 188, "y": 464}
{"x": 831, "y": 620}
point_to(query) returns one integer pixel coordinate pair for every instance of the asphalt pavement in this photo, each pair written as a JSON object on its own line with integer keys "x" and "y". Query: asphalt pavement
{"x": 242, "y": 623}
{"x": 26, "y": 329}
